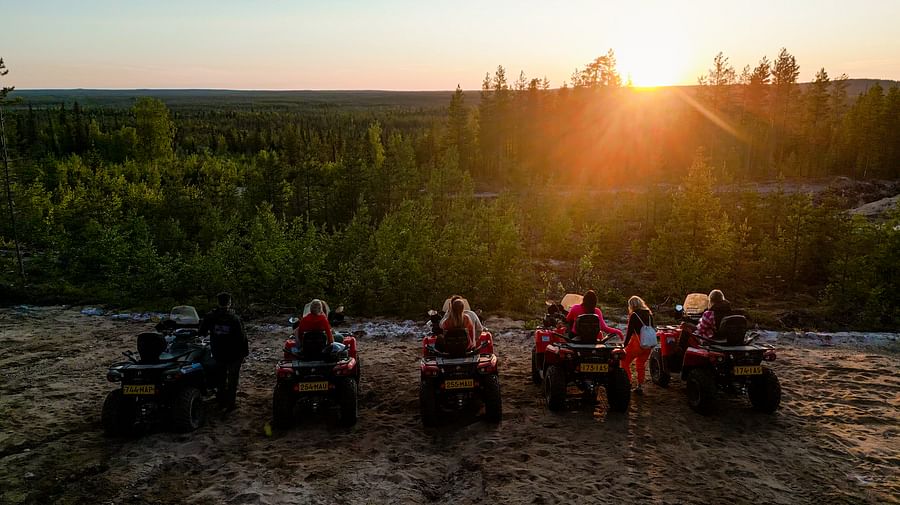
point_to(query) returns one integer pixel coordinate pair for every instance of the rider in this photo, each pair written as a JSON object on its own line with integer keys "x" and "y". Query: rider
{"x": 229, "y": 347}
{"x": 458, "y": 318}
{"x": 316, "y": 320}
{"x": 588, "y": 305}
{"x": 476, "y": 322}
{"x": 717, "y": 309}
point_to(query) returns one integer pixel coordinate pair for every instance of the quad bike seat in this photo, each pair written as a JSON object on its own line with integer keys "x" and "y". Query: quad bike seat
{"x": 454, "y": 342}
{"x": 150, "y": 346}
{"x": 311, "y": 344}
{"x": 732, "y": 330}
{"x": 587, "y": 327}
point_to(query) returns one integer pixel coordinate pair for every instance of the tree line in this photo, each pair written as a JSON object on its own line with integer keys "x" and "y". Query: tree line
{"x": 384, "y": 210}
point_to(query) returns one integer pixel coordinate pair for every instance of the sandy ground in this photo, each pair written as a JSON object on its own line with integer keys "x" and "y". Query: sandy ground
{"x": 834, "y": 441}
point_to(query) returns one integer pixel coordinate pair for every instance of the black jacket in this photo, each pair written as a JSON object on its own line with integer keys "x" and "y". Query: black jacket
{"x": 226, "y": 335}
{"x": 635, "y": 323}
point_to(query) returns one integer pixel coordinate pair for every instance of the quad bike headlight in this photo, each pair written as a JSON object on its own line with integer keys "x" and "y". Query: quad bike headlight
{"x": 114, "y": 375}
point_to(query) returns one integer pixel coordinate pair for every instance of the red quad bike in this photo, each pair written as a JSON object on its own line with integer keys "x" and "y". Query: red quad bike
{"x": 580, "y": 365}
{"x": 454, "y": 377}
{"x": 314, "y": 376}
{"x": 730, "y": 361}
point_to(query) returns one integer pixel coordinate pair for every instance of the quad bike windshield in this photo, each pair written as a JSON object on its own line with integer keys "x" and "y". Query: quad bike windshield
{"x": 570, "y": 299}
{"x": 446, "y": 306}
{"x": 695, "y": 304}
{"x": 184, "y": 316}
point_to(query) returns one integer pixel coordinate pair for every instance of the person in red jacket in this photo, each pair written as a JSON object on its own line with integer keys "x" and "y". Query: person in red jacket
{"x": 588, "y": 305}
{"x": 316, "y": 320}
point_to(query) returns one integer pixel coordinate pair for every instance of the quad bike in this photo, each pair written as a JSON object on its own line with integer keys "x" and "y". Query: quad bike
{"x": 454, "y": 377}
{"x": 577, "y": 365}
{"x": 730, "y": 361}
{"x": 166, "y": 382}
{"x": 314, "y": 376}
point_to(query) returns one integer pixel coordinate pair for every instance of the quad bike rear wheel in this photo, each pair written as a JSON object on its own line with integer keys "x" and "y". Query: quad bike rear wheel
{"x": 493, "y": 406}
{"x": 555, "y": 387}
{"x": 427, "y": 403}
{"x": 283, "y": 406}
{"x": 658, "y": 375}
{"x": 118, "y": 414}
{"x": 701, "y": 390}
{"x": 348, "y": 402}
{"x": 765, "y": 392}
{"x": 535, "y": 370}
{"x": 189, "y": 411}
{"x": 618, "y": 391}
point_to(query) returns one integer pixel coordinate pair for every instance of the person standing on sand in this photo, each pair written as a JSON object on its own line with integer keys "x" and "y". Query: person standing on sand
{"x": 639, "y": 315}
{"x": 229, "y": 348}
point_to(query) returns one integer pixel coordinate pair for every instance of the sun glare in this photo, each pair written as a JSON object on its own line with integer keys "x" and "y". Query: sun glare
{"x": 652, "y": 56}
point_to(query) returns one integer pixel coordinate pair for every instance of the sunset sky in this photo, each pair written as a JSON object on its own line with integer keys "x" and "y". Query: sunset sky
{"x": 418, "y": 45}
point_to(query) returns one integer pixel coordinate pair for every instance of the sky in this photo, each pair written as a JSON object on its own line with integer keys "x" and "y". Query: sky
{"x": 422, "y": 45}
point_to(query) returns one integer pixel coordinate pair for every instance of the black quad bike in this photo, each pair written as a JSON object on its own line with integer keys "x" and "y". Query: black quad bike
{"x": 315, "y": 376}
{"x": 165, "y": 383}
{"x": 730, "y": 362}
{"x": 454, "y": 378}
{"x": 577, "y": 366}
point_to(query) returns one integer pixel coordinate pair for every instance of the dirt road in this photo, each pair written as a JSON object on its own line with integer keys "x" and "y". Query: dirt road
{"x": 835, "y": 440}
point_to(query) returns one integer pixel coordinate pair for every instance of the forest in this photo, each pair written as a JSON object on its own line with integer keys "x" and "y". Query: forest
{"x": 509, "y": 197}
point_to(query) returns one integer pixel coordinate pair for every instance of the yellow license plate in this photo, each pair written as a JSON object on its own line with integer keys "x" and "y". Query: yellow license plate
{"x": 748, "y": 370}
{"x": 312, "y": 386}
{"x": 459, "y": 384}
{"x": 139, "y": 389}
{"x": 593, "y": 368}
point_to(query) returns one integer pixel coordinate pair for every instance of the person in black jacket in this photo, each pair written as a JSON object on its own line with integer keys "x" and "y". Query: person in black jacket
{"x": 229, "y": 347}
{"x": 639, "y": 315}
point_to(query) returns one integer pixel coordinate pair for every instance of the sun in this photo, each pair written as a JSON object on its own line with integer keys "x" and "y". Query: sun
{"x": 652, "y": 54}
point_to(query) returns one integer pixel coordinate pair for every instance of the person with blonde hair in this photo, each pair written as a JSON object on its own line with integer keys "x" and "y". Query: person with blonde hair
{"x": 639, "y": 315}
{"x": 717, "y": 309}
{"x": 457, "y": 318}
{"x": 316, "y": 320}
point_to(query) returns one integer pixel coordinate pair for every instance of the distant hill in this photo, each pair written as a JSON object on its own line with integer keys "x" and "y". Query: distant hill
{"x": 177, "y": 98}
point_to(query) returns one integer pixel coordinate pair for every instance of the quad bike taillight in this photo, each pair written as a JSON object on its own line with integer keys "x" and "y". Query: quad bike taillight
{"x": 284, "y": 372}
{"x": 488, "y": 366}
{"x": 618, "y": 355}
{"x": 114, "y": 376}
{"x": 566, "y": 353}
{"x": 430, "y": 370}
{"x": 716, "y": 357}
{"x": 769, "y": 355}
{"x": 344, "y": 368}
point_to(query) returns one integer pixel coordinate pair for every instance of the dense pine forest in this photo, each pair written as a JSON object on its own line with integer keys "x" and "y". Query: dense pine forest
{"x": 509, "y": 196}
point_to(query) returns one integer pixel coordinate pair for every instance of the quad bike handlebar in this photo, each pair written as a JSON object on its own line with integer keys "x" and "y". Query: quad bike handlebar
{"x": 432, "y": 349}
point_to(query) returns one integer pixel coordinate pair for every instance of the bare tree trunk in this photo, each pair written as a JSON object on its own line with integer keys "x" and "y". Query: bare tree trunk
{"x": 9, "y": 198}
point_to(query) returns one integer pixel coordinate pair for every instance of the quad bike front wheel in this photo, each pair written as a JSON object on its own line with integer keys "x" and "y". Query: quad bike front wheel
{"x": 701, "y": 390}
{"x": 658, "y": 375}
{"x": 765, "y": 392}
{"x": 427, "y": 403}
{"x": 618, "y": 391}
{"x": 348, "y": 402}
{"x": 118, "y": 414}
{"x": 555, "y": 387}
{"x": 189, "y": 411}
{"x": 283, "y": 406}
{"x": 493, "y": 406}
{"x": 535, "y": 370}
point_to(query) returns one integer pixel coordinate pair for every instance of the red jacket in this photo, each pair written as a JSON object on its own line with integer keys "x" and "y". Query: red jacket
{"x": 313, "y": 322}
{"x": 578, "y": 310}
